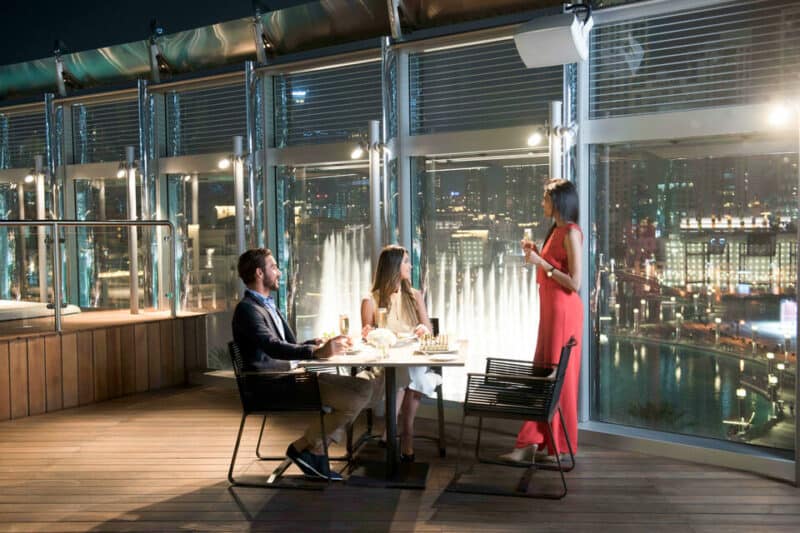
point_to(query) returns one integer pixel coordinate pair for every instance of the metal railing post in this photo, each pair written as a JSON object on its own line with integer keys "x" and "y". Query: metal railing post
{"x": 57, "y": 276}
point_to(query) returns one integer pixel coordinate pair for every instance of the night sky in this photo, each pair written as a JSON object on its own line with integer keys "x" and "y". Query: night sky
{"x": 28, "y": 29}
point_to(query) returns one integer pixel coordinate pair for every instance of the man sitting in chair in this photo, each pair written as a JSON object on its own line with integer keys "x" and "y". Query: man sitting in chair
{"x": 267, "y": 343}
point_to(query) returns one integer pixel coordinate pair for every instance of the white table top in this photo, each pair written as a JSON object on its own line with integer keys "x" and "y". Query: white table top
{"x": 399, "y": 356}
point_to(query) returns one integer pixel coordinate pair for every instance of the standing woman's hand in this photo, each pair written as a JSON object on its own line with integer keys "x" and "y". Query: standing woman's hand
{"x": 530, "y": 251}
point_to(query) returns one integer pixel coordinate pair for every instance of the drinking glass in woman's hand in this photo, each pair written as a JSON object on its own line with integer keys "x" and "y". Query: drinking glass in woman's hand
{"x": 528, "y": 245}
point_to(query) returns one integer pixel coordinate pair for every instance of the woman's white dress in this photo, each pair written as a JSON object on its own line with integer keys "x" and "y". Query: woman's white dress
{"x": 419, "y": 378}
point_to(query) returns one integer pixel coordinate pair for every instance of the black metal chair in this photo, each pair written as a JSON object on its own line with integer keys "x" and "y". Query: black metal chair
{"x": 264, "y": 393}
{"x": 519, "y": 391}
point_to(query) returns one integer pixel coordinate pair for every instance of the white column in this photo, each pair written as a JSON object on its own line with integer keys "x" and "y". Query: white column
{"x": 133, "y": 239}
{"x": 41, "y": 236}
{"x": 555, "y": 140}
{"x": 375, "y": 190}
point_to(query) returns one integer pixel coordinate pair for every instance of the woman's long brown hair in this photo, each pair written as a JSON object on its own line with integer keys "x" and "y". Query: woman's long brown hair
{"x": 387, "y": 278}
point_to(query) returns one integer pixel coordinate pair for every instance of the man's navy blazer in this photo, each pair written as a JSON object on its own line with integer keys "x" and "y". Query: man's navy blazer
{"x": 259, "y": 340}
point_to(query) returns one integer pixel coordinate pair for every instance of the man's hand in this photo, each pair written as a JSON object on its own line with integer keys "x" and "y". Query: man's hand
{"x": 335, "y": 346}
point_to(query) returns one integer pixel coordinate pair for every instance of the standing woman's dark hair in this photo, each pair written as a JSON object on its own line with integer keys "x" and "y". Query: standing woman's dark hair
{"x": 564, "y": 197}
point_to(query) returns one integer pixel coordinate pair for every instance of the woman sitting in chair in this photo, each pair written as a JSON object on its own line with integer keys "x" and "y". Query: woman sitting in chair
{"x": 406, "y": 314}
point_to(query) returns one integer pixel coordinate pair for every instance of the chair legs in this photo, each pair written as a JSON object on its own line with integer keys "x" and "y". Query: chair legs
{"x": 524, "y": 482}
{"x": 273, "y": 481}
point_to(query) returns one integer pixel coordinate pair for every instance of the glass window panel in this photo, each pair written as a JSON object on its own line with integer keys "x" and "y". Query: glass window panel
{"x": 478, "y": 87}
{"x": 695, "y": 269}
{"x": 202, "y": 121}
{"x": 469, "y": 213}
{"x": 201, "y": 205}
{"x": 22, "y": 136}
{"x": 324, "y": 245}
{"x": 103, "y": 253}
{"x": 102, "y": 131}
{"x": 741, "y": 52}
{"x": 327, "y": 105}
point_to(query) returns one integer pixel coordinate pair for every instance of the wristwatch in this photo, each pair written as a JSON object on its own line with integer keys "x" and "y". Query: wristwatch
{"x": 550, "y": 272}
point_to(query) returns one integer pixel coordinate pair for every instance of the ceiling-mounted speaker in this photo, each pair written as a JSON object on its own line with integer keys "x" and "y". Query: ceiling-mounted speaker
{"x": 554, "y": 40}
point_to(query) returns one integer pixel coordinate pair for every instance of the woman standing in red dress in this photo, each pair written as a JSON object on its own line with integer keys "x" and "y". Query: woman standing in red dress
{"x": 558, "y": 273}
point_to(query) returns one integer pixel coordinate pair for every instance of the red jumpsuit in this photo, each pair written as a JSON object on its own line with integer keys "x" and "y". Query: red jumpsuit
{"x": 560, "y": 317}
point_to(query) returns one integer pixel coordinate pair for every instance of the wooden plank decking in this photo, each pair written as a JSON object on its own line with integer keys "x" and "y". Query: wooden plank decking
{"x": 157, "y": 462}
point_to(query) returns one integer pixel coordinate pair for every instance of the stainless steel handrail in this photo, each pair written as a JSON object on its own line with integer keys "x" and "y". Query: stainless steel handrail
{"x": 56, "y": 224}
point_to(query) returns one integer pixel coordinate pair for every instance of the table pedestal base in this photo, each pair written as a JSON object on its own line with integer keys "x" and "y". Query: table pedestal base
{"x": 374, "y": 474}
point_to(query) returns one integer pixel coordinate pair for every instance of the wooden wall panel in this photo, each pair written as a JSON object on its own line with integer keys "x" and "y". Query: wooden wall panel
{"x": 154, "y": 355}
{"x": 127, "y": 347}
{"x": 140, "y": 342}
{"x": 37, "y": 399}
{"x": 100, "y": 353}
{"x": 69, "y": 368}
{"x": 167, "y": 355}
{"x": 18, "y": 363}
{"x": 114, "y": 362}
{"x": 178, "y": 351}
{"x": 85, "y": 368}
{"x": 5, "y": 383}
{"x": 202, "y": 346}
{"x": 190, "y": 343}
{"x": 52, "y": 371}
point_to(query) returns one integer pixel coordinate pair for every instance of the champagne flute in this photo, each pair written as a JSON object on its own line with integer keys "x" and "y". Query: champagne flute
{"x": 344, "y": 324}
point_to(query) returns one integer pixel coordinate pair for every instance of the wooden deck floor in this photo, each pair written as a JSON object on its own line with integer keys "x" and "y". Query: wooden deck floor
{"x": 157, "y": 462}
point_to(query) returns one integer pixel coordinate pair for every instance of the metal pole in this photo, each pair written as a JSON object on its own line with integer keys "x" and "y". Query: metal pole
{"x": 375, "y": 190}
{"x": 797, "y": 350}
{"x": 384, "y": 154}
{"x": 238, "y": 188}
{"x": 41, "y": 236}
{"x": 403, "y": 161}
{"x": 133, "y": 241}
{"x": 57, "y": 276}
{"x": 555, "y": 140}
{"x": 250, "y": 88}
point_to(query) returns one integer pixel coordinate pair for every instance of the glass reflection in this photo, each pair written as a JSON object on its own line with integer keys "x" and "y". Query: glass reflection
{"x": 695, "y": 256}
{"x": 470, "y": 212}
{"x": 323, "y": 245}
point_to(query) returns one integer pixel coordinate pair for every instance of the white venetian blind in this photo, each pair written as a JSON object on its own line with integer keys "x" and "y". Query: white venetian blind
{"x": 478, "y": 87}
{"x": 729, "y": 54}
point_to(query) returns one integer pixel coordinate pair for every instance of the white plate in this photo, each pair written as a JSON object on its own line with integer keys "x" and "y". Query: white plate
{"x": 404, "y": 341}
{"x": 442, "y": 357}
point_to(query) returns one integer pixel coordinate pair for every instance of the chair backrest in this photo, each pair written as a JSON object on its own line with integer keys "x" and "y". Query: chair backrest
{"x": 560, "y": 374}
{"x": 274, "y": 391}
{"x": 508, "y": 392}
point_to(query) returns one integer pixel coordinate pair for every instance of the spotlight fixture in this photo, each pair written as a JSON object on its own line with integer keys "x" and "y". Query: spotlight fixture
{"x": 158, "y": 63}
{"x": 121, "y": 170}
{"x": 358, "y": 151}
{"x": 535, "y": 138}
{"x": 778, "y": 116}
{"x": 29, "y": 176}
{"x": 224, "y": 163}
{"x": 265, "y": 49}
